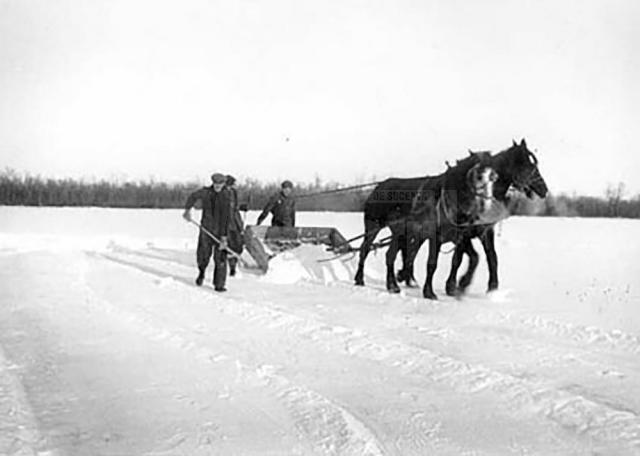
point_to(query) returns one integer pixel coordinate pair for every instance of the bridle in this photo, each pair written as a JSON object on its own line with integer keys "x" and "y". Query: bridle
{"x": 531, "y": 177}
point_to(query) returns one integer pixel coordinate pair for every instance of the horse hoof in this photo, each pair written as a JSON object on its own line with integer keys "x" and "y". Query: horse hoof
{"x": 359, "y": 283}
{"x": 492, "y": 287}
{"x": 451, "y": 289}
{"x": 430, "y": 295}
{"x": 393, "y": 289}
{"x": 411, "y": 284}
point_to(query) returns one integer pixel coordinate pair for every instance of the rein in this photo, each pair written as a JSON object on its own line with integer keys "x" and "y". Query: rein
{"x": 336, "y": 190}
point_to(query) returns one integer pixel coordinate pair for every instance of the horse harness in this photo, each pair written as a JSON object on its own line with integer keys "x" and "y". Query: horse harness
{"x": 483, "y": 200}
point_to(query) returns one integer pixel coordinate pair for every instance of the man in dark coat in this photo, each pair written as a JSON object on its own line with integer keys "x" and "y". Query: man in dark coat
{"x": 216, "y": 205}
{"x": 282, "y": 206}
{"x": 236, "y": 226}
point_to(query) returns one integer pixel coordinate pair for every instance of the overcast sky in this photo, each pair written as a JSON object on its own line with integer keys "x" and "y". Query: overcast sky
{"x": 343, "y": 89}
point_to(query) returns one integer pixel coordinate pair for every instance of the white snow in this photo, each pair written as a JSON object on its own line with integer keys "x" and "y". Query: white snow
{"x": 107, "y": 347}
{"x": 307, "y": 262}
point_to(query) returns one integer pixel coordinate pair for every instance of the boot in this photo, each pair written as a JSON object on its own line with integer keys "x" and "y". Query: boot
{"x": 200, "y": 278}
{"x": 232, "y": 269}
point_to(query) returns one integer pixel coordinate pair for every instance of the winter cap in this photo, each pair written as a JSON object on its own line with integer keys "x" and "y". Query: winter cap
{"x": 286, "y": 184}
{"x": 230, "y": 179}
{"x": 218, "y": 178}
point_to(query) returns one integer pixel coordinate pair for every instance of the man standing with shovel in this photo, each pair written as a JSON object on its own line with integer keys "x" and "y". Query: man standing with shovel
{"x": 214, "y": 227}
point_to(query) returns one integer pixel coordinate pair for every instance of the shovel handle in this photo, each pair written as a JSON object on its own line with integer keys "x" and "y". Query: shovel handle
{"x": 215, "y": 238}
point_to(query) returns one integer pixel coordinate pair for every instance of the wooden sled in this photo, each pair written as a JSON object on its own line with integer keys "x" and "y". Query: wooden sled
{"x": 264, "y": 242}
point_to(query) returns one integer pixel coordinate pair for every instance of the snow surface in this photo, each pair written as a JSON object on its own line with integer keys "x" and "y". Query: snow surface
{"x": 107, "y": 347}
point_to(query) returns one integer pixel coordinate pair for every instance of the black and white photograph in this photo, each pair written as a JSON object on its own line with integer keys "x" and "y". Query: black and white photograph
{"x": 325, "y": 228}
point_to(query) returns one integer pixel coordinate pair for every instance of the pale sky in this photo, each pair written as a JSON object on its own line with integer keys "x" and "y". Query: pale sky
{"x": 343, "y": 89}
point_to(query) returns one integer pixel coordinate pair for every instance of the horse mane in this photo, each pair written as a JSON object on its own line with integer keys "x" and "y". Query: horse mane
{"x": 503, "y": 157}
{"x": 503, "y": 164}
{"x": 454, "y": 178}
{"x": 474, "y": 157}
{"x": 463, "y": 165}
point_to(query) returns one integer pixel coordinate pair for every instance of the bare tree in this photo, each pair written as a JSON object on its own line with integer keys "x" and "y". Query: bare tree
{"x": 614, "y": 196}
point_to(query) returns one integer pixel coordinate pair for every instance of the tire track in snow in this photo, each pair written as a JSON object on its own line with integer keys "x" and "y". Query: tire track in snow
{"x": 572, "y": 411}
{"x": 329, "y": 427}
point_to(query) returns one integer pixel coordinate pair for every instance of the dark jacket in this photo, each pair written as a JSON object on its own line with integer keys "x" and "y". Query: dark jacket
{"x": 216, "y": 209}
{"x": 283, "y": 209}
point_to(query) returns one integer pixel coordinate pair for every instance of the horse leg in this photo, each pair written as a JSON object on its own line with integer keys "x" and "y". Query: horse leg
{"x": 451, "y": 286}
{"x": 467, "y": 278}
{"x": 408, "y": 250}
{"x": 371, "y": 230}
{"x": 432, "y": 264}
{"x": 413, "y": 248}
{"x": 488, "y": 243}
{"x": 392, "y": 253}
{"x": 402, "y": 242}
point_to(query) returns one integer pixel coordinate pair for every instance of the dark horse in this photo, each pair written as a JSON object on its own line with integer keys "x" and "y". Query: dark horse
{"x": 441, "y": 209}
{"x": 403, "y": 204}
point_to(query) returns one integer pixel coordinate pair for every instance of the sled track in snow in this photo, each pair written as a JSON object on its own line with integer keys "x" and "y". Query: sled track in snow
{"x": 18, "y": 427}
{"x": 573, "y": 411}
{"x": 329, "y": 427}
{"x": 307, "y": 406}
{"x": 580, "y": 335}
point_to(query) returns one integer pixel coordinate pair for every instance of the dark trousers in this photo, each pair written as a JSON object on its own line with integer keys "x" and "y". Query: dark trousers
{"x": 207, "y": 246}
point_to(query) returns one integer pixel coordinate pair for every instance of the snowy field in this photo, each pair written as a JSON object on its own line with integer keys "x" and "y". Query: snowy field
{"x": 107, "y": 347}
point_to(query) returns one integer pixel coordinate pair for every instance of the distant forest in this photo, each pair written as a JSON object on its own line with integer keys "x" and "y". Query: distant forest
{"x": 27, "y": 190}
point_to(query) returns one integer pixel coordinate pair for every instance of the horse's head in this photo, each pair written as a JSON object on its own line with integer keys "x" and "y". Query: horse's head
{"x": 523, "y": 168}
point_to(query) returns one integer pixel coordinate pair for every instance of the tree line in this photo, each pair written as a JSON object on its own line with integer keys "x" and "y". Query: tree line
{"x": 611, "y": 204}
{"x": 27, "y": 190}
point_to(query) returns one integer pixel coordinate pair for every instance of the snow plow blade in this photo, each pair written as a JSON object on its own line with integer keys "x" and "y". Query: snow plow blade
{"x": 264, "y": 242}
